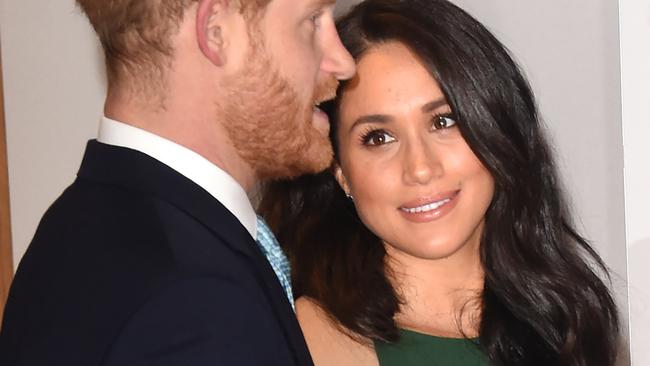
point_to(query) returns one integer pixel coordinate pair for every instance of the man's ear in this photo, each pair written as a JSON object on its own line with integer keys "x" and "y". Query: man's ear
{"x": 340, "y": 178}
{"x": 210, "y": 29}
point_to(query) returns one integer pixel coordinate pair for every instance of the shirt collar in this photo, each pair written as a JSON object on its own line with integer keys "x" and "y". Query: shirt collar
{"x": 193, "y": 166}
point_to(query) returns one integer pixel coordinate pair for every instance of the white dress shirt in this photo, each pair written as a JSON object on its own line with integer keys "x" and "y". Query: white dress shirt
{"x": 193, "y": 166}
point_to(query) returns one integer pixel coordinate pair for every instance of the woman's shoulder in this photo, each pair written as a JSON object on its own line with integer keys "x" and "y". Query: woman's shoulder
{"x": 327, "y": 341}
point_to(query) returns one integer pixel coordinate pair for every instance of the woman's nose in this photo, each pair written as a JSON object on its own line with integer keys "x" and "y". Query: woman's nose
{"x": 421, "y": 164}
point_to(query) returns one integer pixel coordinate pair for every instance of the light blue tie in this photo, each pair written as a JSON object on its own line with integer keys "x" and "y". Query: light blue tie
{"x": 279, "y": 262}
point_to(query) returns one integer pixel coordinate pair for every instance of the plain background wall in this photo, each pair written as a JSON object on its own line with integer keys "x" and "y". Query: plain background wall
{"x": 54, "y": 90}
{"x": 54, "y": 87}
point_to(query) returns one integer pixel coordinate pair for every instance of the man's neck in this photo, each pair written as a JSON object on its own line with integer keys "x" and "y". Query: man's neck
{"x": 185, "y": 125}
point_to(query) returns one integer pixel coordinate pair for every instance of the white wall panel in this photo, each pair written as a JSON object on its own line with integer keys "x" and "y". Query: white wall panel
{"x": 635, "y": 61}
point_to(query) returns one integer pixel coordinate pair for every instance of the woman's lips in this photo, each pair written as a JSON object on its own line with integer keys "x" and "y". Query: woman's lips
{"x": 431, "y": 208}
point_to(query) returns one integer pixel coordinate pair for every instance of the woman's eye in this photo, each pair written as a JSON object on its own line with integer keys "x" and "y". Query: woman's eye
{"x": 376, "y": 138}
{"x": 442, "y": 122}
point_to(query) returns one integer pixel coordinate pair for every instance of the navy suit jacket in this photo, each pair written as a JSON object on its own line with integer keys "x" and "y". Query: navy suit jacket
{"x": 137, "y": 265}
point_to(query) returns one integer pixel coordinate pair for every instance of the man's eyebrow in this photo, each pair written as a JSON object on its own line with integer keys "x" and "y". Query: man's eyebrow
{"x": 433, "y": 105}
{"x": 371, "y": 118}
{"x": 322, "y": 3}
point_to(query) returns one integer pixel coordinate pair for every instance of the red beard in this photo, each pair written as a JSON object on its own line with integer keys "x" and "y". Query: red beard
{"x": 269, "y": 126}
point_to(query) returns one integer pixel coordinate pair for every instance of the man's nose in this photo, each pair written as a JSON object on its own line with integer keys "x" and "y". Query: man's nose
{"x": 337, "y": 60}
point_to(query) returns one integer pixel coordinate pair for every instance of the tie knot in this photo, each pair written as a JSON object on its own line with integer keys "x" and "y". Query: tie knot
{"x": 264, "y": 233}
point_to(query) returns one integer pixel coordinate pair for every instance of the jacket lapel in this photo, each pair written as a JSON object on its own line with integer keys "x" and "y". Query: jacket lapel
{"x": 137, "y": 171}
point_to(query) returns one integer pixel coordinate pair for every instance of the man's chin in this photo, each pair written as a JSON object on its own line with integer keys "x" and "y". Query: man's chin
{"x": 323, "y": 162}
{"x": 318, "y": 156}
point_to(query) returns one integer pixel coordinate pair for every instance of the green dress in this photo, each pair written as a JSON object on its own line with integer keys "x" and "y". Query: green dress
{"x": 417, "y": 349}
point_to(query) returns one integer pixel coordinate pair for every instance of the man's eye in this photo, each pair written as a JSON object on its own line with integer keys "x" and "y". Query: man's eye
{"x": 376, "y": 138}
{"x": 315, "y": 17}
{"x": 442, "y": 122}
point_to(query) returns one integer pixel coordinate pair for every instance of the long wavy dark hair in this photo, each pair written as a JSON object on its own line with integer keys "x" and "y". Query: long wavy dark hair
{"x": 544, "y": 301}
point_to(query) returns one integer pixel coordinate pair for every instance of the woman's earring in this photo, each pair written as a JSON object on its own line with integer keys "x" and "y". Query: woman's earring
{"x": 349, "y": 196}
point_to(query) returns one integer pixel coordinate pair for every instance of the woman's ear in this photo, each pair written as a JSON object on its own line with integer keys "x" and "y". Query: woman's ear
{"x": 340, "y": 178}
{"x": 211, "y": 21}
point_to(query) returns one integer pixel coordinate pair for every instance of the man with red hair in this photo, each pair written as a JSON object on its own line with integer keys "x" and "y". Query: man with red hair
{"x": 154, "y": 255}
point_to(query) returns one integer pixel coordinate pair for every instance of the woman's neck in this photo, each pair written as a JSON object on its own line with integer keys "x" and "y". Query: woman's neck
{"x": 441, "y": 296}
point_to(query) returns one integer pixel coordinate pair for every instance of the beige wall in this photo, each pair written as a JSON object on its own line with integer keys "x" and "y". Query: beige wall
{"x": 53, "y": 97}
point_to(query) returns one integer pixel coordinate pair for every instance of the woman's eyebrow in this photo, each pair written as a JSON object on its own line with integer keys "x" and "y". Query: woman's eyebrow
{"x": 433, "y": 105}
{"x": 384, "y": 118}
{"x": 371, "y": 118}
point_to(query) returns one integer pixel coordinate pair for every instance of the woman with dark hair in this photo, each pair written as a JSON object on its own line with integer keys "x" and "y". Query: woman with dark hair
{"x": 440, "y": 236}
